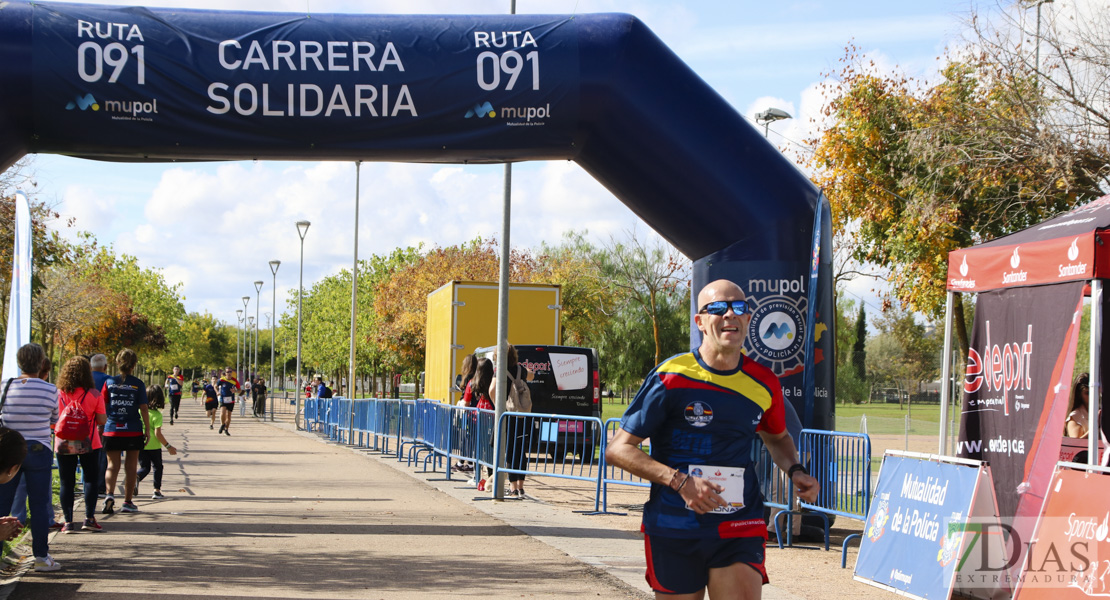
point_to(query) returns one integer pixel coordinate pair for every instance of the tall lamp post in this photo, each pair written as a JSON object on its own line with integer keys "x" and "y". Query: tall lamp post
{"x": 1037, "y": 60}
{"x": 238, "y": 324}
{"x": 769, "y": 116}
{"x": 246, "y": 301}
{"x": 274, "y": 264}
{"x": 302, "y": 229}
{"x": 257, "y": 324}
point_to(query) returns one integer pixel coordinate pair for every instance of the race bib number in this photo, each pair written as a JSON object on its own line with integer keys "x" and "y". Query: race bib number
{"x": 730, "y": 478}
{"x": 229, "y": 400}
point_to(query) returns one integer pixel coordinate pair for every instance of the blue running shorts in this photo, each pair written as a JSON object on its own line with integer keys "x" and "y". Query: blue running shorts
{"x": 681, "y": 566}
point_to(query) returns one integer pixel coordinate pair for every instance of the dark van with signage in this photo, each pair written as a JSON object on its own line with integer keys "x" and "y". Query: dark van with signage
{"x": 565, "y": 382}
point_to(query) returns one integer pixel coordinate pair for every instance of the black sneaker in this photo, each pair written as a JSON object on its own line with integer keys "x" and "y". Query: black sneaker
{"x": 109, "y": 505}
{"x": 221, "y": 429}
{"x": 227, "y": 431}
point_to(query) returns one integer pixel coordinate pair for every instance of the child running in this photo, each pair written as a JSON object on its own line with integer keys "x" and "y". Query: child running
{"x": 151, "y": 456}
{"x": 212, "y": 402}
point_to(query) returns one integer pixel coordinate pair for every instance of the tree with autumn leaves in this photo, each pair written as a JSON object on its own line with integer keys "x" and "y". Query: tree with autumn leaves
{"x": 914, "y": 170}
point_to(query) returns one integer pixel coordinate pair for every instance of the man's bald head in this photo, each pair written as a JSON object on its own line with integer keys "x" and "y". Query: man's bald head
{"x": 722, "y": 289}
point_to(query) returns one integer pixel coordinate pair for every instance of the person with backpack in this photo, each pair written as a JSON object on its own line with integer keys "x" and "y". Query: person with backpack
{"x": 518, "y": 398}
{"x": 77, "y": 441}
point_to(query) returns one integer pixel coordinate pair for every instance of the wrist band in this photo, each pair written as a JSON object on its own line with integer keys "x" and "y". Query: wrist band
{"x": 684, "y": 480}
{"x": 794, "y": 469}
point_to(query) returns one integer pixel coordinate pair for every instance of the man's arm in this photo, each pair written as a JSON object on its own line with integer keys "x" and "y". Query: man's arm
{"x": 700, "y": 495}
{"x": 785, "y": 455}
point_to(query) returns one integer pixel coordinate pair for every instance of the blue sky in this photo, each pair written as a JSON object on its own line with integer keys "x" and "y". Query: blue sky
{"x": 214, "y": 226}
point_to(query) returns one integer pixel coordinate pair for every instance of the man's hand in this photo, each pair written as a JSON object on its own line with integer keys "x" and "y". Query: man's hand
{"x": 806, "y": 486}
{"x": 701, "y": 495}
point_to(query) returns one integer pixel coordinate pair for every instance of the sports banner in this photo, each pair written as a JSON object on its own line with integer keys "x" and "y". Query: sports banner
{"x": 915, "y": 530}
{"x": 19, "y": 305}
{"x": 1018, "y": 371}
{"x": 162, "y": 82}
{"x": 1069, "y": 554}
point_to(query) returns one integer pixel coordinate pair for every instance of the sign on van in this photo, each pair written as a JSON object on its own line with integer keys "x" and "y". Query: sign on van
{"x": 572, "y": 371}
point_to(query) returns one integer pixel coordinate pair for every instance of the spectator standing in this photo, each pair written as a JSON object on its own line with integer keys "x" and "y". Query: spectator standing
{"x": 30, "y": 406}
{"x": 1078, "y": 422}
{"x": 259, "y": 390}
{"x": 125, "y": 434}
{"x": 175, "y": 385}
{"x": 151, "y": 456}
{"x": 75, "y": 385}
{"x": 517, "y": 444}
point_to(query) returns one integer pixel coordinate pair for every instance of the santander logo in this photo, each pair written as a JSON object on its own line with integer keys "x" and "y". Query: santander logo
{"x": 1015, "y": 276}
{"x": 1073, "y": 268}
{"x": 963, "y": 267}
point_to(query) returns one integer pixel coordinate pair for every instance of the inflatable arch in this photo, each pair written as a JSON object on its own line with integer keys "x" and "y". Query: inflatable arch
{"x": 137, "y": 84}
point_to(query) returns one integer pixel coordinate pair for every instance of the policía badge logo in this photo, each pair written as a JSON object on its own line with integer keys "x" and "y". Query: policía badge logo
{"x": 699, "y": 414}
{"x": 777, "y": 332}
{"x": 877, "y": 526}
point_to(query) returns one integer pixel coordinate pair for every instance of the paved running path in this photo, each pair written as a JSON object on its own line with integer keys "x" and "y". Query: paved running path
{"x": 272, "y": 513}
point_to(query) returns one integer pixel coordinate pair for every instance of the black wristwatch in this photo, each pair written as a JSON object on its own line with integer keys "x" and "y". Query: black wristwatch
{"x": 794, "y": 469}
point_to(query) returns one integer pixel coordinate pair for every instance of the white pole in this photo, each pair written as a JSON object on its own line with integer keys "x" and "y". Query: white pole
{"x": 354, "y": 312}
{"x": 1095, "y": 382}
{"x": 302, "y": 229}
{"x": 946, "y": 372}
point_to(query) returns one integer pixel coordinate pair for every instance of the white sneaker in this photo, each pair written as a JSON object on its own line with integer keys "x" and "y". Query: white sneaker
{"x": 46, "y": 563}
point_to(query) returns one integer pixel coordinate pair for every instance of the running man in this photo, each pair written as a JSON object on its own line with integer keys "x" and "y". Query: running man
{"x": 229, "y": 385}
{"x": 703, "y": 410}
{"x": 175, "y": 384}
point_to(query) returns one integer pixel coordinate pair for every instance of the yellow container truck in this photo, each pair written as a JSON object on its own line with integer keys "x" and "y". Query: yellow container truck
{"x": 462, "y": 317}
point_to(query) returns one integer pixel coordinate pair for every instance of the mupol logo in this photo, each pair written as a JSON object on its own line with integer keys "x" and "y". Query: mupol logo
{"x": 83, "y": 102}
{"x": 778, "y": 331}
{"x": 481, "y": 111}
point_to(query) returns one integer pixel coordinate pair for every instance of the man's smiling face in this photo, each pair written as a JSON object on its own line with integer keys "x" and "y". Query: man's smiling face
{"x": 723, "y": 334}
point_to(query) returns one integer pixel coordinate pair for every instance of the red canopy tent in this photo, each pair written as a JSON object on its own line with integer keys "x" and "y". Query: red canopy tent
{"x": 1031, "y": 286}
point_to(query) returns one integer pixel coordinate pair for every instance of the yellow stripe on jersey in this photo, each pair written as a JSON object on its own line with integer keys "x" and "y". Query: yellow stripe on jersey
{"x": 685, "y": 365}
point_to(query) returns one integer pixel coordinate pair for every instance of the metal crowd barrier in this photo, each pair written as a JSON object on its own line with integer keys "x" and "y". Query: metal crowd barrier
{"x": 612, "y": 475}
{"x": 538, "y": 445}
{"x": 841, "y": 463}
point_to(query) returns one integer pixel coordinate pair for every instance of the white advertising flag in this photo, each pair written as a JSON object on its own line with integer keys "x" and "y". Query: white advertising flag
{"x": 19, "y": 306}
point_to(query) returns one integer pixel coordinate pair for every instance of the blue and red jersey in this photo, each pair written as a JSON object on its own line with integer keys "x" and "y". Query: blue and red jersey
{"x": 697, "y": 416}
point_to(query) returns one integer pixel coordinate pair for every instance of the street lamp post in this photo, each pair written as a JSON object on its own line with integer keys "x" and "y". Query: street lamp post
{"x": 1037, "y": 59}
{"x": 246, "y": 301}
{"x": 257, "y": 324}
{"x": 274, "y": 264}
{"x": 251, "y": 329}
{"x": 302, "y": 229}
{"x": 238, "y": 324}
{"x": 769, "y": 116}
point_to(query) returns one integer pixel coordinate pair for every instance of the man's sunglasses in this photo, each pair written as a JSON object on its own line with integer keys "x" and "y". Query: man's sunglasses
{"x": 720, "y": 307}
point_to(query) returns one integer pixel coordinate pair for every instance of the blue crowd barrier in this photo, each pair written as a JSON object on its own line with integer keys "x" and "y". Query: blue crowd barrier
{"x": 841, "y": 463}
{"x": 612, "y": 475}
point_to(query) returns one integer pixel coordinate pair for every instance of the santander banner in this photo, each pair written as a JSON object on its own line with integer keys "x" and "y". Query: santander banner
{"x": 1066, "y": 248}
{"x": 1018, "y": 372}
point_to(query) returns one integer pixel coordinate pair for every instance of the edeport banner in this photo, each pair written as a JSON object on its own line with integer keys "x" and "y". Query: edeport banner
{"x": 914, "y": 531}
{"x": 1017, "y": 373}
